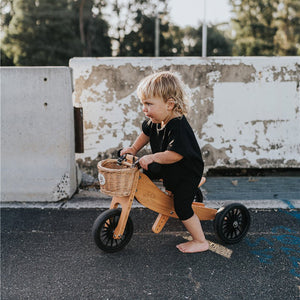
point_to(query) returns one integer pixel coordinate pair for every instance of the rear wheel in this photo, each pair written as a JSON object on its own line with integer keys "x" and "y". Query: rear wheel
{"x": 103, "y": 231}
{"x": 232, "y": 223}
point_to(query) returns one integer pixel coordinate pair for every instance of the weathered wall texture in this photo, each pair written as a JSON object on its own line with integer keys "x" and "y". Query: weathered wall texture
{"x": 244, "y": 111}
{"x": 37, "y": 134}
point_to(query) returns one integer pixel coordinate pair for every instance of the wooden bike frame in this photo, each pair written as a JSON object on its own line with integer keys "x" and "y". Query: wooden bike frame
{"x": 150, "y": 196}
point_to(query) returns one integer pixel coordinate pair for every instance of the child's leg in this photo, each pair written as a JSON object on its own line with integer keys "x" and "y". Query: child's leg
{"x": 183, "y": 200}
{"x": 199, "y": 243}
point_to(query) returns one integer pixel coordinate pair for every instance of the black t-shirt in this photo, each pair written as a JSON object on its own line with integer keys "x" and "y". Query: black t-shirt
{"x": 179, "y": 137}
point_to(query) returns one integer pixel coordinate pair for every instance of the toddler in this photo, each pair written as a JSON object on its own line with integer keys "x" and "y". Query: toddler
{"x": 174, "y": 146}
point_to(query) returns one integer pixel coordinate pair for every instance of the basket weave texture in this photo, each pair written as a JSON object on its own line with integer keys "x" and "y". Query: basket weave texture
{"x": 114, "y": 179}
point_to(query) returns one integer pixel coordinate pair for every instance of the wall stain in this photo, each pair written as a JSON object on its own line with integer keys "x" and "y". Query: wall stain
{"x": 214, "y": 157}
{"x": 266, "y": 123}
{"x": 249, "y": 149}
{"x": 127, "y": 78}
{"x": 88, "y": 125}
{"x": 285, "y": 74}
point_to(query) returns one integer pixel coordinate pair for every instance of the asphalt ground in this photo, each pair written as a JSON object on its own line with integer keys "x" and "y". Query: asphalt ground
{"x": 50, "y": 254}
{"x": 47, "y": 250}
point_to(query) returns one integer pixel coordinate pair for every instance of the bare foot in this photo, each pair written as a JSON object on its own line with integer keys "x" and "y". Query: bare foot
{"x": 193, "y": 246}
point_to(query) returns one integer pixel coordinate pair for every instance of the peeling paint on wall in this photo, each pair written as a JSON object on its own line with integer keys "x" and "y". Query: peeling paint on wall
{"x": 244, "y": 111}
{"x": 256, "y": 121}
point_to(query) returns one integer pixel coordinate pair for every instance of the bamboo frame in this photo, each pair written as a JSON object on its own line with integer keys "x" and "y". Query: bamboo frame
{"x": 150, "y": 196}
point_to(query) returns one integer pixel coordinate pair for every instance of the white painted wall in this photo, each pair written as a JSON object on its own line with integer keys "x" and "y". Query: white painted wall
{"x": 259, "y": 121}
{"x": 37, "y": 134}
{"x": 245, "y": 111}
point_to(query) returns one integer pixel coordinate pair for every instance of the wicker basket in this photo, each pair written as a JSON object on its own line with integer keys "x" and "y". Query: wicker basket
{"x": 114, "y": 179}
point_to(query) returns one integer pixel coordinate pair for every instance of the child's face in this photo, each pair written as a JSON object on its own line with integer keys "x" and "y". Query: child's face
{"x": 157, "y": 109}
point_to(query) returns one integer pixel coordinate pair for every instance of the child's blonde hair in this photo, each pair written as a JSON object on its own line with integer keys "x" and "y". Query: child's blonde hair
{"x": 166, "y": 86}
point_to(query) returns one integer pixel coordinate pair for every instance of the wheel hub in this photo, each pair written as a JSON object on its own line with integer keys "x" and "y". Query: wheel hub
{"x": 235, "y": 224}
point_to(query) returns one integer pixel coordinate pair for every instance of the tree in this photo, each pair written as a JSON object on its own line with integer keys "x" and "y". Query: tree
{"x": 46, "y": 32}
{"x": 134, "y": 33}
{"x": 217, "y": 43}
{"x": 287, "y": 38}
{"x": 93, "y": 29}
{"x": 141, "y": 42}
{"x": 266, "y": 27}
{"x": 172, "y": 43}
{"x": 38, "y": 33}
{"x": 6, "y": 14}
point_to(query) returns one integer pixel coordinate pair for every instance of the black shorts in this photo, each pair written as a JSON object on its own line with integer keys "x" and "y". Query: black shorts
{"x": 184, "y": 194}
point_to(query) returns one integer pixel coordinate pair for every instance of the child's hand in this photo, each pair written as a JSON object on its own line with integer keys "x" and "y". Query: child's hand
{"x": 146, "y": 160}
{"x": 128, "y": 150}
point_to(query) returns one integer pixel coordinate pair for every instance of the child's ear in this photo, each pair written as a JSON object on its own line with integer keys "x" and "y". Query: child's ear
{"x": 170, "y": 103}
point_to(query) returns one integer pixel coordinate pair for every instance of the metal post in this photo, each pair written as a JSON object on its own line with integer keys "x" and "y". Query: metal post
{"x": 204, "y": 31}
{"x": 156, "y": 53}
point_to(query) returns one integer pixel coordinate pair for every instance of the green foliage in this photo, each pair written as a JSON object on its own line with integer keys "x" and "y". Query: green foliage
{"x": 217, "y": 43}
{"x": 6, "y": 61}
{"x": 38, "y": 33}
{"x": 137, "y": 39}
{"x": 45, "y": 32}
{"x": 134, "y": 32}
{"x": 141, "y": 42}
{"x": 287, "y": 38}
{"x": 266, "y": 27}
{"x": 50, "y": 32}
{"x": 91, "y": 28}
{"x": 171, "y": 40}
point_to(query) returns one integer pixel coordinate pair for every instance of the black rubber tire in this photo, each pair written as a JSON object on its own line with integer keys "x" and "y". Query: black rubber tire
{"x": 232, "y": 223}
{"x": 103, "y": 230}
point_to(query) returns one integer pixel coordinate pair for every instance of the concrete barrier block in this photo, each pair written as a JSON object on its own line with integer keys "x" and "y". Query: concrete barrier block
{"x": 37, "y": 134}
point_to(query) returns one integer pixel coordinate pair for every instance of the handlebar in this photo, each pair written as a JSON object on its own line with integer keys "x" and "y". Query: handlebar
{"x": 153, "y": 167}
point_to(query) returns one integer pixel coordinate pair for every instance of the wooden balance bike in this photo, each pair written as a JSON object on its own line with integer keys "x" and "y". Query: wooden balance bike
{"x": 122, "y": 180}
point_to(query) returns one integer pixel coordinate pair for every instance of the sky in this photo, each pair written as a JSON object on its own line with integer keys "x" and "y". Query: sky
{"x": 190, "y": 12}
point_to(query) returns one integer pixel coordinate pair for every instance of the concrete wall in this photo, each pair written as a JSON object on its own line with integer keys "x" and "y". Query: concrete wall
{"x": 244, "y": 110}
{"x": 37, "y": 134}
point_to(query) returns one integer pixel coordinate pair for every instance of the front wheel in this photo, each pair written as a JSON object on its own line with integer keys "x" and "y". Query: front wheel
{"x": 103, "y": 231}
{"x": 232, "y": 223}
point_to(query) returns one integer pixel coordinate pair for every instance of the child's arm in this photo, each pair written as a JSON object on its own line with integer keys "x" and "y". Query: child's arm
{"x": 166, "y": 157}
{"x": 140, "y": 142}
